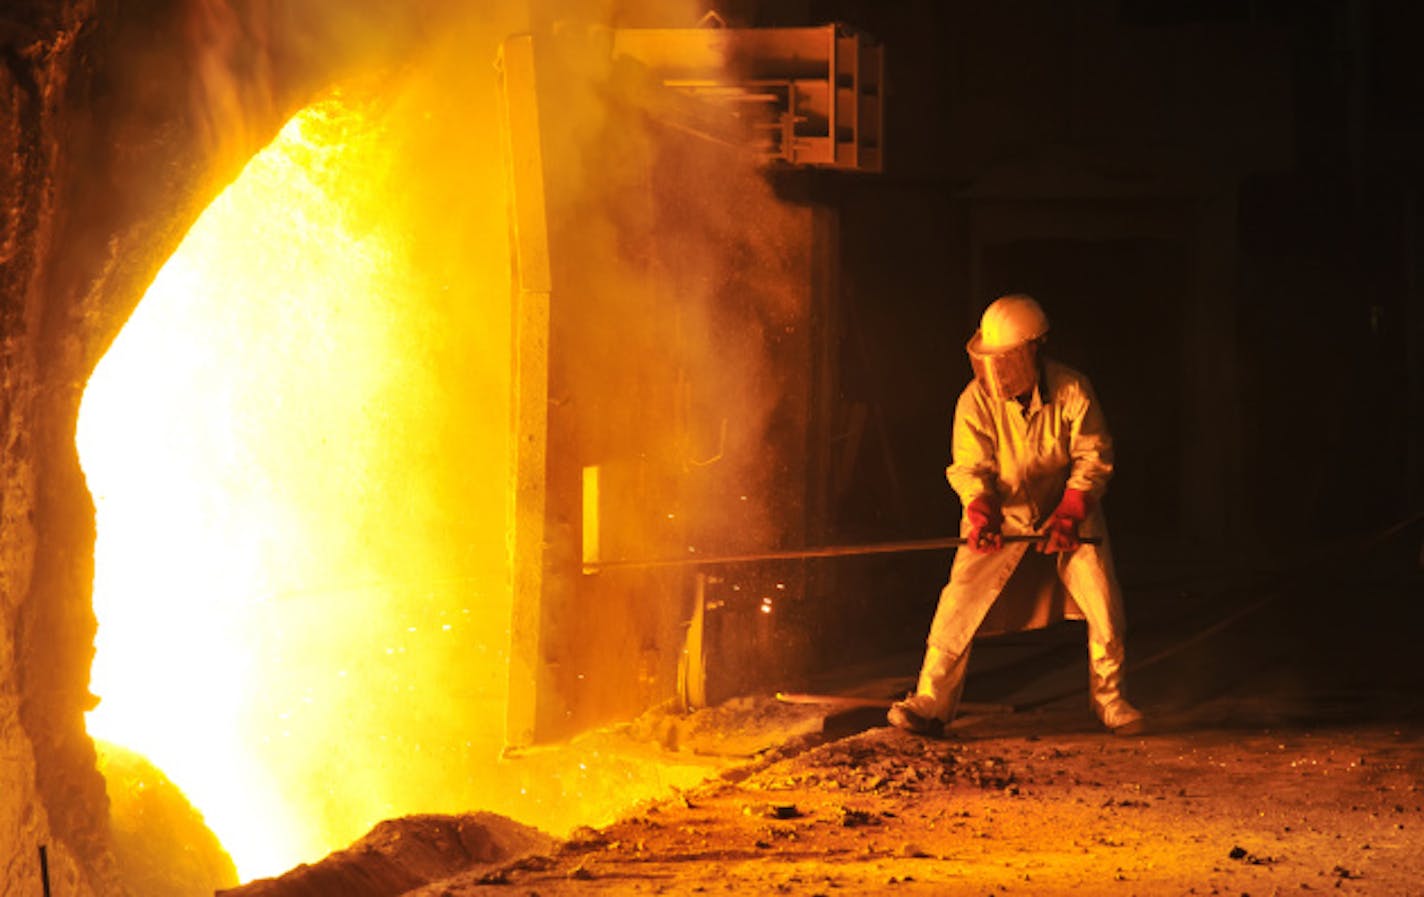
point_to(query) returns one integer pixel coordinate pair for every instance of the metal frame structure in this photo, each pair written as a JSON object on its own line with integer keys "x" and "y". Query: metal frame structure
{"x": 809, "y": 96}
{"x": 800, "y": 96}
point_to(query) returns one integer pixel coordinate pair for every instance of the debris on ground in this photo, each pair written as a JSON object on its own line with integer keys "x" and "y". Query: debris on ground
{"x": 1065, "y": 812}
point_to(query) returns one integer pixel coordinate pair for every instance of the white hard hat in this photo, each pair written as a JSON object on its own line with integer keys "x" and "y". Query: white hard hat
{"x": 1011, "y": 321}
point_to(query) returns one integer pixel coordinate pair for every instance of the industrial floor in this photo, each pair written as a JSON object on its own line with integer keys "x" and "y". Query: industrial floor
{"x": 1285, "y": 755}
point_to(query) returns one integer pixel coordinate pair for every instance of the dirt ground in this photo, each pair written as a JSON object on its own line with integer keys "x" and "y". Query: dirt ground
{"x": 1286, "y": 755}
{"x": 999, "y": 810}
{"x": 1036, "y": 803}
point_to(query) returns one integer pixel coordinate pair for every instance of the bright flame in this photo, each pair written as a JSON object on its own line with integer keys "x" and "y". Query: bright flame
{"x": 296, "y": 451}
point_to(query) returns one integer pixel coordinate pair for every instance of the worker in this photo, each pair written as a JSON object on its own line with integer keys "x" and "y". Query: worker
{"x": 1031, "y": 455}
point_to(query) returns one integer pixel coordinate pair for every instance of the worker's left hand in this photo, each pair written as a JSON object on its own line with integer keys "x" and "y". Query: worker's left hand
{"x": 1061, "y": 535}
{"x": 1061, "y": 531}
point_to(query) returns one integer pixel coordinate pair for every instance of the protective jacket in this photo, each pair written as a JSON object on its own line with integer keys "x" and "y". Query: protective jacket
{"x": 1026, "y": 457}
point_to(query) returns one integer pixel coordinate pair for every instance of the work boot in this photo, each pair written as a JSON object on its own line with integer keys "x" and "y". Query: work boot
{"x": 915, "y": 715}
{"x": 931, "y": 706}
{"x": 1105, "y": 686}
{"x": 1122, "y": 718}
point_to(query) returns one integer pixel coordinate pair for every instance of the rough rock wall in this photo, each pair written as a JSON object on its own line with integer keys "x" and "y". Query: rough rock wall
{"x": 41, "y": 641}
{"x": 118, "y": 123}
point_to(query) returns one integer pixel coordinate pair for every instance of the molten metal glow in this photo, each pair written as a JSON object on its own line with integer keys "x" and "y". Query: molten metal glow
{"x": 299, "y": 450}
{"x": 296, "y": 450}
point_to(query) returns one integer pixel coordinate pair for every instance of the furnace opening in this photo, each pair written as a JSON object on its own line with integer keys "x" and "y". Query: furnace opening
{"x": 296, "y": 452}
{"x": 302, "y": 448}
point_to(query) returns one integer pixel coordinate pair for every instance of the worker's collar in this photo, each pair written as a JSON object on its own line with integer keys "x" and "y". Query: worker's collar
{"x": 1033, "y": 400}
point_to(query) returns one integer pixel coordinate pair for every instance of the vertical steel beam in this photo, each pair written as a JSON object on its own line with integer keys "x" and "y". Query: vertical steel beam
{"x": 524, "y": 164}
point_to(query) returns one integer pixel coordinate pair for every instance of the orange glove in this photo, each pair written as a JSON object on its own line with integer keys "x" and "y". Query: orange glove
{"x": 1062, "y": 526}
{"x": 986, "y": 524}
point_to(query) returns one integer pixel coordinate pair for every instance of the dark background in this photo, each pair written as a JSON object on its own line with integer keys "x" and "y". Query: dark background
{"x": 1218, "y": 204}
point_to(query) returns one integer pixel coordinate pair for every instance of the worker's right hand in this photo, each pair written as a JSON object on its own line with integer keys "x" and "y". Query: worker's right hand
{"x": 1061, "y": 531}
{"x": 986, "y": 525}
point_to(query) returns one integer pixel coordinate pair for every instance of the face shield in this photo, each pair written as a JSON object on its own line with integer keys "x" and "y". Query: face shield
{"x": 1004, "y": 373}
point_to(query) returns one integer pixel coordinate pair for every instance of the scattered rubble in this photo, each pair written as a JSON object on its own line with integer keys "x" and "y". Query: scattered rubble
{"x": 1067, "y": 811}
{"x": 401, "y": 855}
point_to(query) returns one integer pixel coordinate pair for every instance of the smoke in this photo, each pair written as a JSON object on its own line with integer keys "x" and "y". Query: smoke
{"x": 225, "y": 107}
{"x": 682, "y": 282}
{"x": 679, "y": 357}
{"x": 247, "y": 66}
{"x": 300, "y": 445}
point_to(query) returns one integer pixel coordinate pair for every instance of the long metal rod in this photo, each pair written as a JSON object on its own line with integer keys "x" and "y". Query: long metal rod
{"x": 828, "y": 551}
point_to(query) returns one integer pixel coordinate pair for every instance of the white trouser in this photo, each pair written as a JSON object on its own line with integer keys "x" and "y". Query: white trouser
{"x": 940, "y": 685}
{"x": 975, "y": 583}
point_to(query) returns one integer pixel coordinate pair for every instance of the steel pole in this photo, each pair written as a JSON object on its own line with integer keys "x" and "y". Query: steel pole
{"x": 828, "y": 551}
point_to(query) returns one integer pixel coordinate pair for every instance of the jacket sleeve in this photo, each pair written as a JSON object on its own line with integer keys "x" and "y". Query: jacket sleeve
{"x": 974, "y": 467}
{"x": 1090, "y": 445}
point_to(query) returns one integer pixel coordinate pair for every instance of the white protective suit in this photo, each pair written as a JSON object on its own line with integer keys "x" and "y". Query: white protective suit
{"x": 1027, "y": 458}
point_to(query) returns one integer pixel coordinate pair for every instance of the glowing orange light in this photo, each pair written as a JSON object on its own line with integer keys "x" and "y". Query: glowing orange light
{"x": 297, "y": 448}
{"x": 280, "y": 566}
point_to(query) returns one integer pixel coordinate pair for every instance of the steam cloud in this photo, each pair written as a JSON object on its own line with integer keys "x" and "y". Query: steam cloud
{"x": 325, "y": 421}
